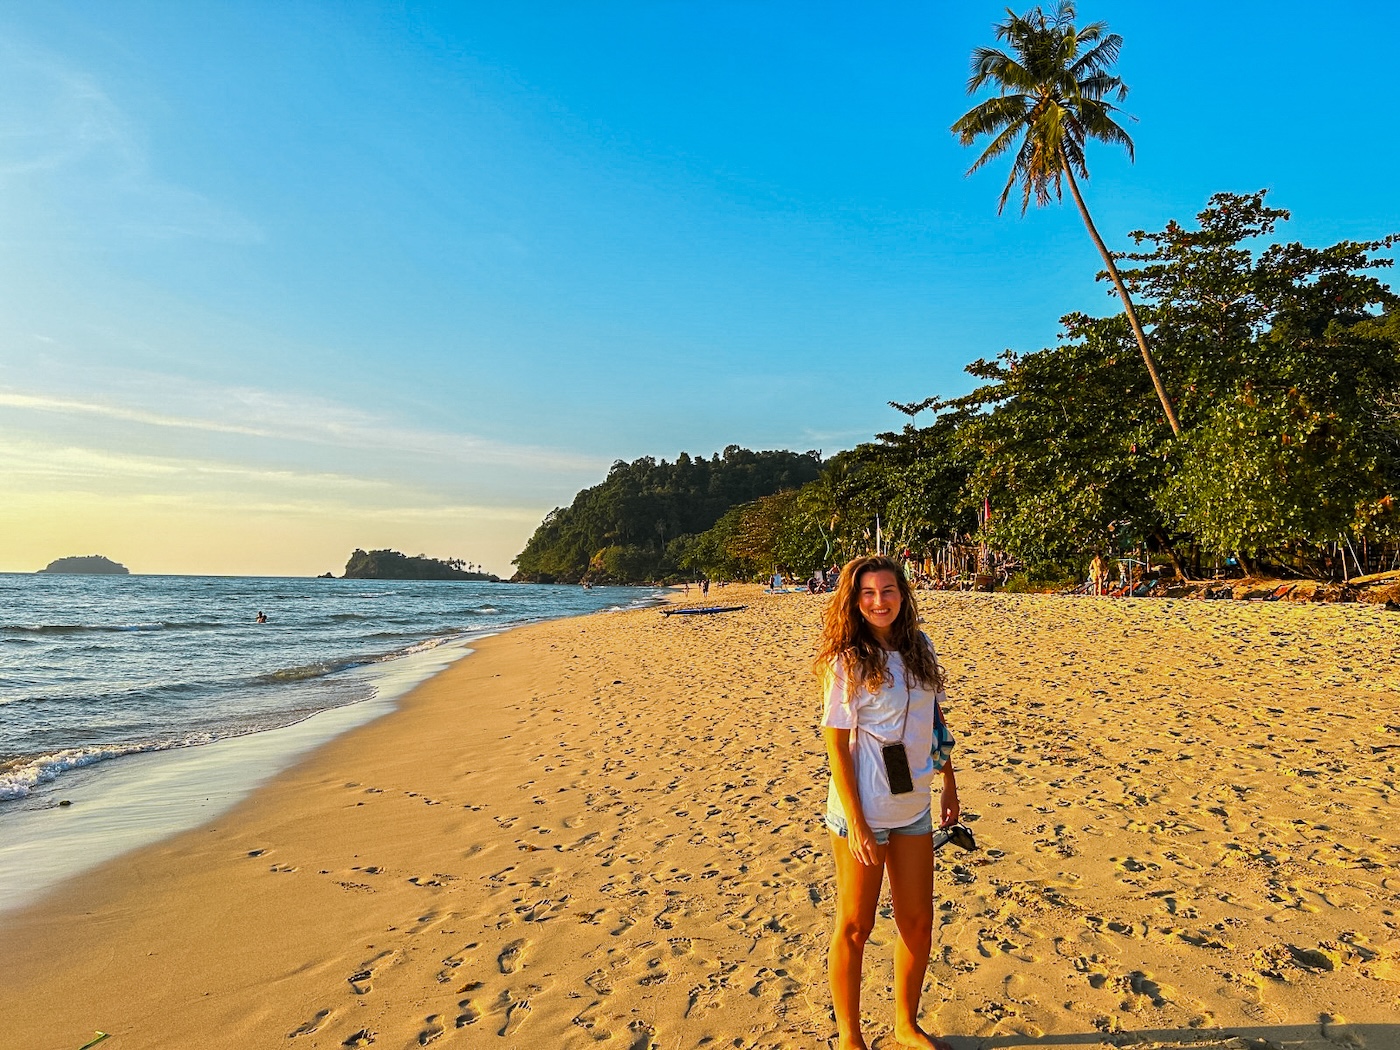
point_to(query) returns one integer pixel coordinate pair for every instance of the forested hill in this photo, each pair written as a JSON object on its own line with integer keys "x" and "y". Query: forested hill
{"x": 630, "y": 528}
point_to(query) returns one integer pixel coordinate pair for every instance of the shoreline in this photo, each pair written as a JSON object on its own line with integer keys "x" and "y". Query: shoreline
{"x": 144, "y": 797}
{"x": 606, "y": 829}
{"x": 66, "y": 811}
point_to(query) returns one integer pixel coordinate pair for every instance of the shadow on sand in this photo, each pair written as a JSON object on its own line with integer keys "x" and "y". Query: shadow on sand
{"x": 1324, "y": 1034}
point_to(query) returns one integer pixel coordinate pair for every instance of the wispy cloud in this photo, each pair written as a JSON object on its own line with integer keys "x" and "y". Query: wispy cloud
{"x": 841, "y": 437}
{"x": 70, "y": 406}
{"x": 34, "y": 461}
{"x": 259, "y": 414}
{"x": 53, "y": 117}
{"x": 63, "y": 138}
{"x": 35, "y": 470}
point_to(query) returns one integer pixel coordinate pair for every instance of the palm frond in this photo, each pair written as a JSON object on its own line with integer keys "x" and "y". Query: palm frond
{"x": 1019, "y": 26}
{"x": 990, "y": 116}
{"x": 999, "y": 145}
{"x": 1098, "y": 58}
{"x": 1098, "y": 85}
{"x": 989, "y": 64}
{"x": 1094, "y": 118}
{"x": 1096, "y": 31}
{"x": 1017, "y": 177}
{"x": 1091, "y": 33}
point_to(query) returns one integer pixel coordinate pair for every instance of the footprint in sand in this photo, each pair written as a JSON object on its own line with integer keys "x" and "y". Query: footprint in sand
{"x": 588, "y": 1021}
{"x": 359, "y": 981}
{"x": 364, "y": 1037}
{"x": 469, "y": 1015}
{"x": 598, "y": 981}
{"x": 1094, "y": 968}
{"x": 451, "y": 962}
{"x": 431, "y": 1030}
{"x": 361, "y": 978}
{"x": 307, "y": 1027}
{"x": 1334, "y": 1029}
{"x": 1139, "y": 983}
{"x": 516, "y": 1012}
{"x": 509, "y": 959}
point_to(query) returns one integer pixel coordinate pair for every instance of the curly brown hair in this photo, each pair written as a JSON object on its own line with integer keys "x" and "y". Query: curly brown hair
{"x": 847, "y": 637}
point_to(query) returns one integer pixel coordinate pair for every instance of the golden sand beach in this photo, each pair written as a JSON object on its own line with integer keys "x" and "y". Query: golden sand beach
{"x": 605, "y": 831}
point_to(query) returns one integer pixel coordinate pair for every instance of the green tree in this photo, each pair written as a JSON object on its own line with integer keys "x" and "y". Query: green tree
{"x": 1064, "y": 445}
{"x": 1239, "y": 487}
{"x": 1287, "y": 372}
{"x": 1289, "y": 360}
{"x": 1053, "y": 97}
{"x": 912, "y": 480}
{"x": 653, "y": 507}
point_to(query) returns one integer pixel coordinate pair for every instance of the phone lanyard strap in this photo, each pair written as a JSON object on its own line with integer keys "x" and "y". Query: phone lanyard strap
{"x": 908, "y": 700}
{"x": 903, "y": 722}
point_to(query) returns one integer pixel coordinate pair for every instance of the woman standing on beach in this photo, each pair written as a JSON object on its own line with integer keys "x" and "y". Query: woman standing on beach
{"x": 886, "y": 743}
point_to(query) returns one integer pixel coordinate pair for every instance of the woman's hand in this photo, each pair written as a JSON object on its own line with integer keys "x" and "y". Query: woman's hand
{"x": 949, "y": 805}
{"x": 861, "y": 842}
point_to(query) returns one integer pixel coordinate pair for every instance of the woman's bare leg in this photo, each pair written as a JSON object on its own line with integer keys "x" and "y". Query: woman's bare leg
{"x": 857, "y": 894}
{"x": 909, "y": 861}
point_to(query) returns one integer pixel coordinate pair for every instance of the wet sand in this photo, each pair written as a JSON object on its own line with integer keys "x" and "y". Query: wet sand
{"x": 605, "y": 831}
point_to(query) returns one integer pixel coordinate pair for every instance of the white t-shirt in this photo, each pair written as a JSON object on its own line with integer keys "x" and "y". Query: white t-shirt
{"x": 875, "y": 721}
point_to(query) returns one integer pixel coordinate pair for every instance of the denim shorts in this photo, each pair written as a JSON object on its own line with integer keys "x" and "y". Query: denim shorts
{"x": 923, "y": 826}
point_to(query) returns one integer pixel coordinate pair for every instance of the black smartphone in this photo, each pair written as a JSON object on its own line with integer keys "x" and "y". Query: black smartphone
{"x": 897, "y": 769}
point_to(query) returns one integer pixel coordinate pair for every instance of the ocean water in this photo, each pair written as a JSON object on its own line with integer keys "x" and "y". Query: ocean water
{"x": 97, "y": 669}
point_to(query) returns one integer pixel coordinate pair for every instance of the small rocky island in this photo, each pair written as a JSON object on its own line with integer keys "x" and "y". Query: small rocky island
{"x": 90, "y": 565}
{"x": 391, "y": 565}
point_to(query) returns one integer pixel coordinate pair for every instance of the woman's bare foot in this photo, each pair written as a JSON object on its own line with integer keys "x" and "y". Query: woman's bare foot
{"x": 917, "y": 1037}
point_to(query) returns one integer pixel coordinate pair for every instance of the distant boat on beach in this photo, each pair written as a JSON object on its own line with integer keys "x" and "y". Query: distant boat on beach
{"x": 706, "y": 610}
{"x": 89, "y": 565}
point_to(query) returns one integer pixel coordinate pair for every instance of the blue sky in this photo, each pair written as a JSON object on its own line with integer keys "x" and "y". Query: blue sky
{"x": 282, "y": 279}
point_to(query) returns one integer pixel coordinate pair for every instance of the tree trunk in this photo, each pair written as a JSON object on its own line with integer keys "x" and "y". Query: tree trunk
{"x": 1123, "y": 294}
{"x": 1165, "y": 547}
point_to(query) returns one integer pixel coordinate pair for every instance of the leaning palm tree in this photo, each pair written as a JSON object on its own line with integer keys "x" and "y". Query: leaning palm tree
{"x": 1052, "y": 98}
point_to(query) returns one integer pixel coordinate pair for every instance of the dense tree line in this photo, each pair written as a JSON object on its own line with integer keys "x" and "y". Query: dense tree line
{"x": 1244, "y": 404}
{"x": 637, "y": 523}
{"x": 1283, "y": 362}
{"x": 91, "y": 564}
{"x": 391, "y": 565}
{"x": 906, "y": 487}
